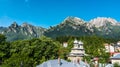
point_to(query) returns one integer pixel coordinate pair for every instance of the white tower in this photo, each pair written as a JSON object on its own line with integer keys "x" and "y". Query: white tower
{"x": 77, "y": 51}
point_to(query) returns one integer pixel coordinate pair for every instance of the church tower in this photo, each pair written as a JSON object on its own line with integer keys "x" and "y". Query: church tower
{"x": 77, "y": 52}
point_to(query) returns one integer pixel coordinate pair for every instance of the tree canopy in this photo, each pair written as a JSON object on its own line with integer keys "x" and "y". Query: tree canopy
{"x": 29, "y": 53}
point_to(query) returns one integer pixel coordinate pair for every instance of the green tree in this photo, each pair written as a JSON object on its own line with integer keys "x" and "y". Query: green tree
{"x": 4, "y": 48}
{"x": 94, "y": 47}
{"x": 2, "y": 38}
{"x": 30, "y": 53}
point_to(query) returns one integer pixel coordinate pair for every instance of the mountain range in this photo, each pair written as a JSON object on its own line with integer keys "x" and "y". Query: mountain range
{"x": 71, "y": 26}
{"x": 20, "y": 32}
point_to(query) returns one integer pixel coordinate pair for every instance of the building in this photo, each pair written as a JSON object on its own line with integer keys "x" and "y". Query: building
{"x": 117, "y": 46}
{"x": 65, "y": 44}
{"x": 112, "y": 48}
{"x": 109, "y": 48}
{"x": 77, "y": 51}
{"x": 115, "y": 58}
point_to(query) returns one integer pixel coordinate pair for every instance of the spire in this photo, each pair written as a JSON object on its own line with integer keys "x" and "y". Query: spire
{"x": 80, "y": 42}
{"x": 75, "y": 41}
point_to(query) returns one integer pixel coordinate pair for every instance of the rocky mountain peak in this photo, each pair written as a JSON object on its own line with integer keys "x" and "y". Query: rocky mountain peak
{"x": 14, "y": 25}
{"x": 20, "y": 32}
{"x": 74, "y": 20}
{"x": 25, "y": 25}
{"x": 102, "y": 21}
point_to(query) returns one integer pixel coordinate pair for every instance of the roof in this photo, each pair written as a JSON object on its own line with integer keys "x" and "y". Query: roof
{"x": 75, "y": 41}
{"x": 80, "y": 42}
{"x": 76, "y": 54}
{"x": 117, "y": 56}
{"x": 54, "y": 63}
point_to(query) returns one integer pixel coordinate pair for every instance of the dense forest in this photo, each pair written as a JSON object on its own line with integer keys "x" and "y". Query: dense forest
{"x": 29, "y": 53}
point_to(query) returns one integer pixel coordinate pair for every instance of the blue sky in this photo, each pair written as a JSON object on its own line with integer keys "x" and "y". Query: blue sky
{"x": 47, "y": 13}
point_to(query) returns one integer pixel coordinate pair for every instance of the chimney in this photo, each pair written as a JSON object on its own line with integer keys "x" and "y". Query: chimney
{"x": 59, "y": 61}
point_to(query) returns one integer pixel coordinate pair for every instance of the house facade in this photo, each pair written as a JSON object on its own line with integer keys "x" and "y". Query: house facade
{"x": 115, "y": 58}
{"x": 117, "y": 47}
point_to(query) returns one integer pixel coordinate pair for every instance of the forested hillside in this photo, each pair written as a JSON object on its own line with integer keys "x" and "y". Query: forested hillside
{"x": 29, "y": 53}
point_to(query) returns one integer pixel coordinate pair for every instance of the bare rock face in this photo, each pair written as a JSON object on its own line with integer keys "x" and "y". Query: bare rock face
{"x": 73, "y": 20}
{"x": 24, "y": 31}
{"x": 102, "y": 21}
{"x": 71, "y": 26}
{"x": 74, "y": 26}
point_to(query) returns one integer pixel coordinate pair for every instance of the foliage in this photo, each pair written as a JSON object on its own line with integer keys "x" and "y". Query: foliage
{"x": 4, "y": 48}
{"x": 2, "y": 38}
{"x": 116, "y": 65}
{"x": 30, "y": 53}
{"x": 93, "y": 46}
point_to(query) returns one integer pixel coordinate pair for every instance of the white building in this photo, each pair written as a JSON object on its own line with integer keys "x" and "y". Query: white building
{"x": 109, "y": 48}
{"x": 115, "y": 58}
{"x": 117, "y": 46}
{"x": 77, "y": 51}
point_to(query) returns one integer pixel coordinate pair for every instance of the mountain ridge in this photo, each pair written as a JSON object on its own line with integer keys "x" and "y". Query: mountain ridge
{"x": 24, "y": 31}
{"x": 70, "y": 26}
